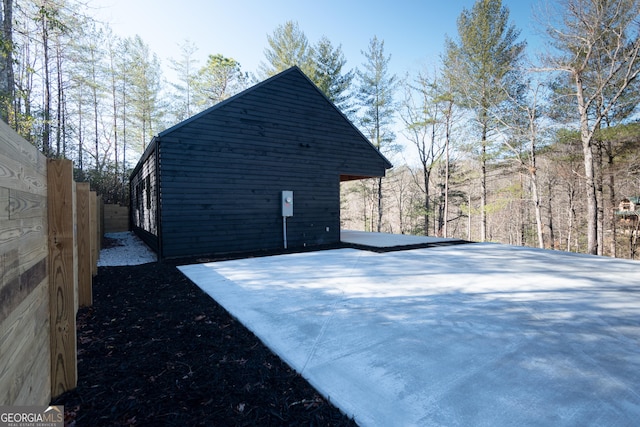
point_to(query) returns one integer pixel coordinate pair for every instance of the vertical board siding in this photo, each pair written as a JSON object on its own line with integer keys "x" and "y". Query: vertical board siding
{"x": 221, "y": 173}
{"x": 24, "y": 312}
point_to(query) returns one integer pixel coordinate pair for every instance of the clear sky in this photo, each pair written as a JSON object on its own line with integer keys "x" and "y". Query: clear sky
{"x": 413, "y": 30}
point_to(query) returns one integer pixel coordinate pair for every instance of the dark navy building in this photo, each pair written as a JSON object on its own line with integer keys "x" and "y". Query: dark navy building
{"x": 213, "y": 184}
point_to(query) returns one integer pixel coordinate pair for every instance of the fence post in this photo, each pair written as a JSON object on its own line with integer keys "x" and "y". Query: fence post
{"x": 62, "y": 274}
{"x": 93, "y": 227}
{"x": 85, "y": 253}
{"x": 99, "y": 225}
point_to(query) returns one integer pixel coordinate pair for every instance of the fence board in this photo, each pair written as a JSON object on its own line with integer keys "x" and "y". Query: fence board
{"x": 93, "y": 228}
{"x": 85, "y": 257}
{"x": 4, "y": 203}
{"x": 39, "y": 272}
{"x": 99, "y": 230}
{"x": 26, "y": 205}
{"x": 62, "y": 278}
{"x": 24, "y": 346}
{"x": 116, "y": 218}
{"x": 22, "y": 245}
{"x": 21, "y": 164}
{"x": 24, "y": 292}
{"x": 15, "y": 291}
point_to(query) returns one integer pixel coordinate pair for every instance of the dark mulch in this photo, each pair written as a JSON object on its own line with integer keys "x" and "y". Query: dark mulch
{"x": 156, "y": 350}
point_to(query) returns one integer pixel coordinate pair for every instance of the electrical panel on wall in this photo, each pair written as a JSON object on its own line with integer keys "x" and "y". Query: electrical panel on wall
{"x": 287, "y": 203}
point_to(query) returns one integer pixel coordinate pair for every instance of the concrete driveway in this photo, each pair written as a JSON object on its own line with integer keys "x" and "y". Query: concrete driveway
{"x": 465, "y": 335}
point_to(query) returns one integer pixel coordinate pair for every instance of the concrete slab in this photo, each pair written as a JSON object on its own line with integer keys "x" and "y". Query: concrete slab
{"x": 482, "y": 334}
{"x": 388, "y": 240}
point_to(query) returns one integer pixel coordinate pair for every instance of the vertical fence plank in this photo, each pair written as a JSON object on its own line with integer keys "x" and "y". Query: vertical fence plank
{"x": 93, "y": 226}
{"x": 99, "y": 225}
{"x": 116, "y": 218}
{"x": 62, "y": 279}
{"x": 85, "y": 256}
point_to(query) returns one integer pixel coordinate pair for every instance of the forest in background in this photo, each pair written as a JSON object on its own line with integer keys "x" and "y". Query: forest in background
{"x": 509, "y": 149}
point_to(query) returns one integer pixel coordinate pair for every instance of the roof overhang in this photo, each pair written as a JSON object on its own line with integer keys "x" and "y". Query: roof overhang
{"x": 344, "y": 178}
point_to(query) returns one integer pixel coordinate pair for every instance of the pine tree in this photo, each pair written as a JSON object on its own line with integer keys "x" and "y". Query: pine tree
{"x": 185, "y": 68}
{"x": 145, "y": 85}
{"x": 482, "y": 65}
{"x": 330, "y": 77}
{"x": 375, "y": 98}
{"x": 288, "y": 47}
{"x": 219, "y": 79}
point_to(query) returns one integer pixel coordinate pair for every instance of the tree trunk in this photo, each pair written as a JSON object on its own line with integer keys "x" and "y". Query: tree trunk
{"x": 610, "y": 214}
{"x": 483, "y": 187}
{"x": 586, "y": 136}
{"x": 535, "y": 197}
{"x": 441, "y": 214}
{"x": 400, "y": 199}
{"x": 365, "y": 207}
{"x": 80, "y": 135}
{"x": 571, "y": 216}
{"x": 612, "y": 201}
{"x": 522, "y": 239}
{"x": 552, "y": 237}
{"x": 427, "y": 207}
{"x": 46, "y": 126}
{"x": 94, "y": 93}
{"x": 114, "y": 97}
{"x": 600, "y": 197}
{"x": 469, "y": 219}
{"x": 7, "y": 78}
{"x": 447, "y": 172}
{"x": 124, "y": 134}
{"x": 60, "y": 104}
{"x": 592, "y": 201}
{"x": 633, "y": 239}
{"x": 379, "y": 205}
{"x": 536, "y": 203}
{"x": 445, "y": 228}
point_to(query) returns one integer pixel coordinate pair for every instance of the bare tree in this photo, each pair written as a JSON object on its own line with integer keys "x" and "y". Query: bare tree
{"x": 425, "y": 127}
{"x": 597, "y": 46}
{"x": 524, "y": 130}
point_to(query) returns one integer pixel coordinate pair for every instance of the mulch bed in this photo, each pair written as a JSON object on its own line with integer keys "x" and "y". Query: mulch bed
{"x": 156, "y": 350}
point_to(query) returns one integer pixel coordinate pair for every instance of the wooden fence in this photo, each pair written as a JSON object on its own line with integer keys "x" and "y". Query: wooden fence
{"x": 49, "y": 245}
{"x": 116, "y": 218}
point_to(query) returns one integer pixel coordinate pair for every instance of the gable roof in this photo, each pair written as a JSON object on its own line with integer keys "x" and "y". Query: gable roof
{"x": 268, "y": 82}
